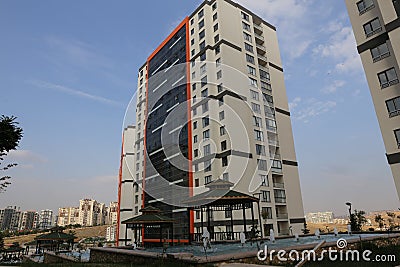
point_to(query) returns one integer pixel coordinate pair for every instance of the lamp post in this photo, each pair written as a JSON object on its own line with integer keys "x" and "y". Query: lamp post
{"x": 258, "y": 195}
{"x": 349, "y": 204}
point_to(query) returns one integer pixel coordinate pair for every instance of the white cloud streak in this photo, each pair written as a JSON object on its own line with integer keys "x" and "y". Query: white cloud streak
{"x": 311, "y": 108}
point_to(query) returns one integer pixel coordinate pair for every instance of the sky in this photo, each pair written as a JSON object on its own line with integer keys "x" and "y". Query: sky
{"x": 68, "y": 70}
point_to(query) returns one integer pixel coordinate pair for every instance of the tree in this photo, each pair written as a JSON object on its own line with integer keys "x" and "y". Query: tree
{"x": 379, "y": 220}
{"x": 10, "y": 135}
{"x": 305, "y": 230}
{"x": 1, "y": 241}
{"x": 357, "y": 220}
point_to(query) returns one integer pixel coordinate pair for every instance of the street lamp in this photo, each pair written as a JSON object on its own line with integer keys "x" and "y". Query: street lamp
{"x": 349, "y": 204}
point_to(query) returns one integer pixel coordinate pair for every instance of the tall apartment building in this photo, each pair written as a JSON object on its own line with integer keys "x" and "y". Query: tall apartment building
{"x": 91, "y": 212}
{"x": 112, "y": 213}
{"x": 45, "y": 219}
{"x": 28, "y": 220}
{"x": 68, "y": 216}
{"x": 320, "y": 217}
{"x": 376, "y": 27}
{"x": 9, "y": 218}
{"x": 212, "y": 104}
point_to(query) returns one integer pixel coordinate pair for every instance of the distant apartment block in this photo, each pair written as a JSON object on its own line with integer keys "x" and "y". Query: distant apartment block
{"x": 112, "y": 213}
{"x": 46, "y": 220}
{"x": 320, "y": 217}
{"x": 212, "y": 95}
{"x": 376, "y": 26}
{"x": 111, "y": 233}
{"x": 68, "y": 216}
{"x": 9, "y": 218}
{"x": 29, "y": 220}
{"x": 91, "y": 212}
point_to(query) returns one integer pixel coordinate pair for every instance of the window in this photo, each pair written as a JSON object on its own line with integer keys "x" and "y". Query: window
{"x": 219, "y": 74}
{"x": 192, "y": 42}
{"x": 228, "y": 213}
{"x": 207, "y": 165}
{"x": 250, "y": 58}
{"x": 397, "y": 134}
{"x": 264, "y": 76}
{"x": 269, "y": 112}
{"x": 246, "y": 26}
{"x": 245, "y": 16}
{"x": 207, "y": 150}
{"x": 136, "y": 199}
{"x": 202, "y": 45}
{"x": 204, "y": 107}
{"x": 222, "y": 131}
{"x": 192, "y": 32}
{"x": 248, "y": 47}
{"x": 388, "y": 78}
{"x": 225, "y": 176}
{"x": 224, "y": 161}
{"x": 255, "y": 95}
{"x": 268, "y": 98}
{"x": 202, "y": 34}
{"x": 260, "y": 150}
{"x": 218, "y": 62}
{"x": 372, "y": 27}
{"x": 203, "y": 57}
{"x": 204, "y": 93}
{"x": 216, "y": 38}
{"x": 280, "y": 196}
{"x": 198, "y": 214}
{"x": 257, "y": 121}
{"x": 396, "y": 4}
{"x": 264, "y": 180}
{"x": 218, "y": 50}
{"x": 206, "y": 135}
{"x": 201, "y": 24}
{"x": 258, "y": 135}
{"x": 393, "y": 106}
{"x": 196, "y": 153}
{"x": 201, "y": 14}
{"x": 203, "y": 69}
{"x": 222, "y": 115}
{"x": 196, "y": 182}
{"x": 214, "y": 6}
{"x": 223, "y": 146}
{"x": 380, "y": 52}
{"x": 265, "y": 196}
{"x": 191, "y": 21}
{"x": 277, "y": 164}
{"x": 256, "y": 108}
{"x": 136, "y": 210}
{"x": 271, "y": 124}
{"x": 204, "y": 81}
{"x": 251, "y": 70}
{"x": 194, "y": 111}
{"x": 216, "y": 27}
{"x": 266, "y": 86}
{"x": 195, "y": 139}
{"x": 221, "y": 102}
{"x": 206, "y": 121}
{"x": 207, "y": 179}
{"x": 193, "y": 75}
{"x": 266, "y": 213}
{"x": 215, "y": 16}
{"x": 365, "y": 5}
{"x": 193, "y": 52}
{"x": 194, "y": 86}
{"x": 247, "y": 37}
{"x": 220, "y": 88}
{"x": 253, "y": 82}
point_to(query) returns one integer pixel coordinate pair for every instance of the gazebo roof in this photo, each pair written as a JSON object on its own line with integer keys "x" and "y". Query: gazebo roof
{"x": 55, "y": 236}
{"x": 220, "y": 194}
{"x": 151, "y": 215}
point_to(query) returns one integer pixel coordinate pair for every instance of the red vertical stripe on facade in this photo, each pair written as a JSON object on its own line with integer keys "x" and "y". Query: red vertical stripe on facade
{"x": 120, "y": 189}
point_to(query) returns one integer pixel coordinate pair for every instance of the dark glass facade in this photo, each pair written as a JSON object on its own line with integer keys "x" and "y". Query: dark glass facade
{"x": 167, "y": 145}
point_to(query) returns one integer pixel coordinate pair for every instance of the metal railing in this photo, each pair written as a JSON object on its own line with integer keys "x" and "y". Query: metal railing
{"x": 276, "y": 170}
{"x": 282, "y": 216}
{"x": 259, "y": 36}
{"x": 262, "y": 58}
{"x": 281, "y": 200}
{"x": 258, "y": 27}
{"x": 279, "y": 185}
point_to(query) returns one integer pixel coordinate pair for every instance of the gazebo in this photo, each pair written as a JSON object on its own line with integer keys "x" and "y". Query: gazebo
{"x": 220, "y": 197}
{"x": 53, "y": 240}
{"x": 152, "y": 223}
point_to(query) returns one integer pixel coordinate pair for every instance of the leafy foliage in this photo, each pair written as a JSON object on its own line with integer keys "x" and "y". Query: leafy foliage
{"x": 10, "y": 135}
{"x": 357, "y": 220}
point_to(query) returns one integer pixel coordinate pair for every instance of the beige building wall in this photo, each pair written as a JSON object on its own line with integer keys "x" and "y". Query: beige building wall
{"x": 376, "y": 27}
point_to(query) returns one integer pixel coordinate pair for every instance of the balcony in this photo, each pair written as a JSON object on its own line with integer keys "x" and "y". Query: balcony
{"x": 262, "y": 60}
{"x": 258, "y": 28}
{"x": 279, "y": 185}
{"x": 275, "y": 156}
{"x": 261, "y": 49}
{"x": 394, "y": 113}
{"x": 276, "y": 171}
{"x": 273, "y": 142}
{"x": 259, "y": 39}
{"x": 282, "y": 216}
{"x": 271, "y": 129}
{"x": 280, "y": 200}
{"x": 264, "y": 69}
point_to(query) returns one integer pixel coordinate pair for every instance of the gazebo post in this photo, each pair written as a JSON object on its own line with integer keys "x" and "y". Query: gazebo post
{"x": 209, "y": 222}
{"x": 161, "y": 242}
{"x": 252, "y": 216}
{"x": 259, "y": 219}
{"x": 202, "y": 221}
{"x": 244, "y": 218}
{"x": 172, "y": 233}
{"x": 135, "y": 233}
{"x": 126, "y": 234}
{"x": 232, "y": 232}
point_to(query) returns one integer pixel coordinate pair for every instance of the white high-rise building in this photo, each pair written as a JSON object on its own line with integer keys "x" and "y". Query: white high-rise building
{"x": 45, "y": 219}
{"x": 68, "y": 216}
{"x": 91, "y": 212}
{"x": 212, "y": 105}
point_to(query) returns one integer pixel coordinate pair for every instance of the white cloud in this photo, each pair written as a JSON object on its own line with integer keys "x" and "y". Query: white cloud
{"x": 25, "y": 159}
{"x": 304, "y": 110}
{"x": 71, "y": 91}
{"x": 333, "y": 87}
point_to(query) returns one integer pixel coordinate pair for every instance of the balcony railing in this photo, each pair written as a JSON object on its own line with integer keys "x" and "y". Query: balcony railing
{"x": 259, "y": 37}
{"x": 271, "y": 129}
{"x": 282, "y": 216}
{"x": 263, "y": 58}
{"x": 280, "y": 200}
{"x": 390, "y": 83}
{"x": 261, "y": 48}
{"x": 394, "y": 113}
{"x": 273, "y": 142}
{"x": 275, "y": 156}
{"x": 279, "y": 185}
{"x": 374, "y": 32}
{"x": 276, "y": 170}
{"x": 366, "y": 9}
{"x": 258, "y": 27}
{"x": 380, "y": 57}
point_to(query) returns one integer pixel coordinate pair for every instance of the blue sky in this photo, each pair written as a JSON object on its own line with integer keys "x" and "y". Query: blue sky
{"x": 68, "y": 71}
